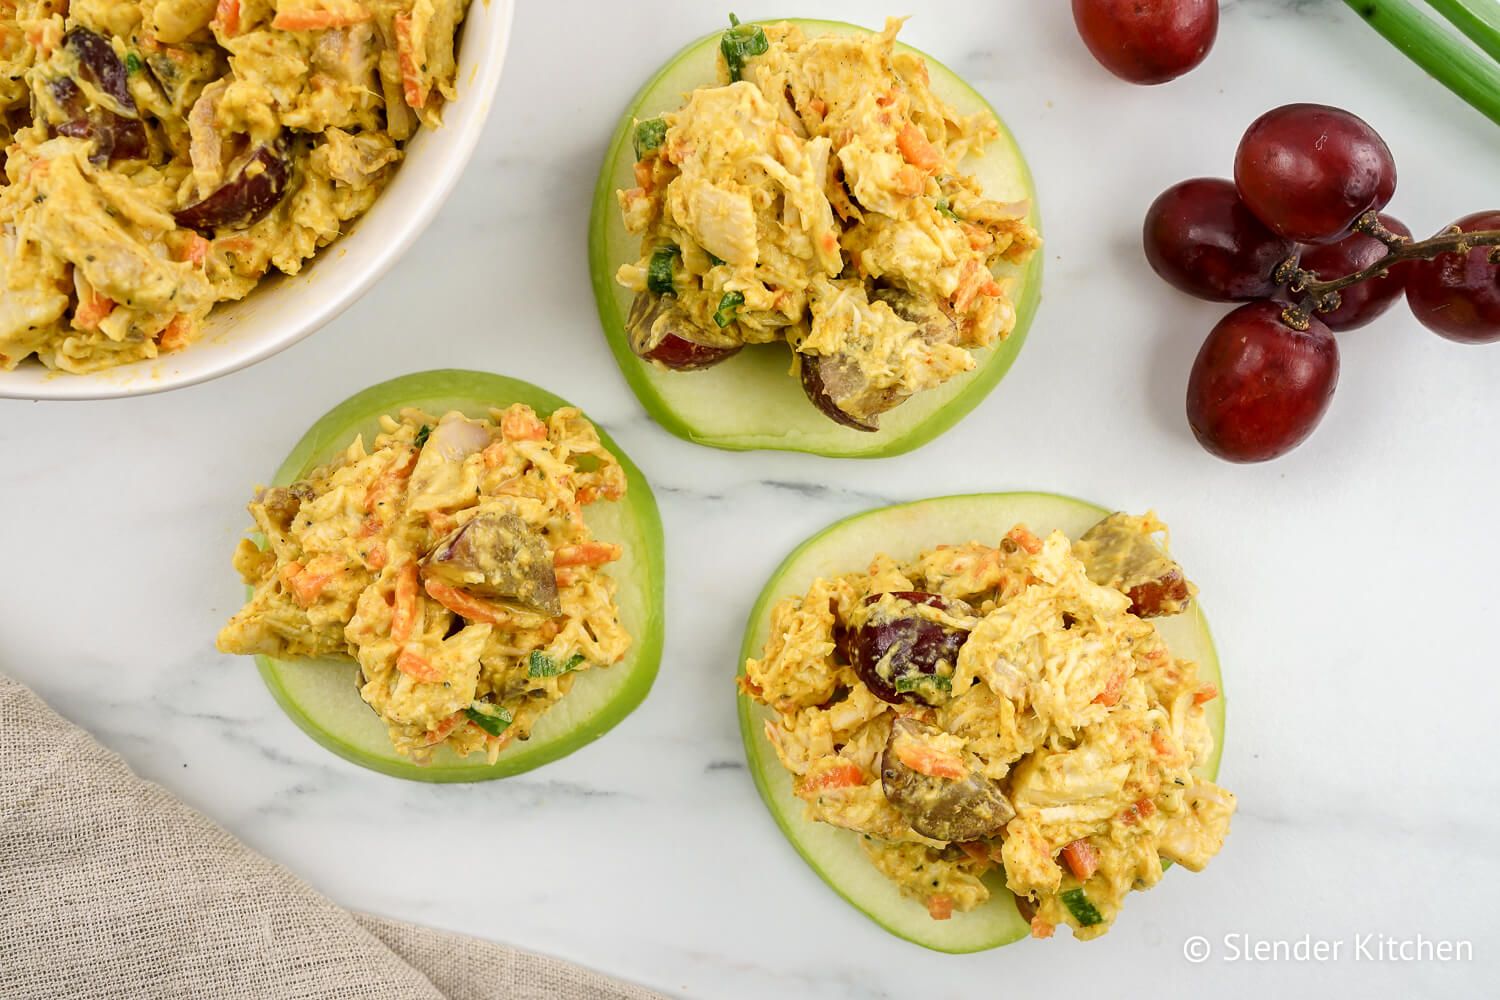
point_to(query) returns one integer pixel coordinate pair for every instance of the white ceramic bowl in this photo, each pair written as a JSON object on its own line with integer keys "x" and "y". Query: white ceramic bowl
{"x": 281, "y": 311}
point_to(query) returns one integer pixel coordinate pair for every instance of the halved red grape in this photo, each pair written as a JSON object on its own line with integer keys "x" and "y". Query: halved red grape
{"x": 680, "y": 354}
{"x": 662, "y": 331}
{"x": 1308, "y": 171}
{"x": 1147, "y": 41}
{"x": 248, "y": 196}
{"x": 1201, "y": 239}
{"x": 1259, "y": 386}
{"x": 894, "y": 654}
{"x": 100, "y": 65}
{"x": 1361, "y": 303}
{"x": 1458, "y": 296}
{"x": 842, "y": 392}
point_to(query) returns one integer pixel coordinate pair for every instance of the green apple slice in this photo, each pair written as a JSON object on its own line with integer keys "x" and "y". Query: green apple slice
{"x": 322, "y": 696}
{"x": 903, "y": 532}
{"x": 750, "y": 401}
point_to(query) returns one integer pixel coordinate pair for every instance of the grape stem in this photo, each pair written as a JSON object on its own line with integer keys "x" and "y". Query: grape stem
{"x": 1318, "y": 295}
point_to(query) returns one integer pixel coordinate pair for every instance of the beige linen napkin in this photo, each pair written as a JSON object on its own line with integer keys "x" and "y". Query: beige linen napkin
{"x": 110, "y": 887}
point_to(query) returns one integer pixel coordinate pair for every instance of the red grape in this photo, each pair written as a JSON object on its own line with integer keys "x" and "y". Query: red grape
{"x": 683, "y": 355}
{"x": 888, "y": 650}
{"x": 1459, "y": 297}
{"x": 1147, "y": 41}
{"x": 1258, "y": 386}
{"x": 1201, "y": 239}
{"x": 1308, "y": 171}
{"x": 1361, "y": 303}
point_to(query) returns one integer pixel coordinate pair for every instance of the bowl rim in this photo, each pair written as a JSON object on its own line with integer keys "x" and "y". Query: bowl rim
{"x": 34, "y": 382}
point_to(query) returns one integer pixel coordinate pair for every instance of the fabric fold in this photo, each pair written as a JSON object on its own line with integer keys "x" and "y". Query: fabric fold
{"x": 111, "y": 886}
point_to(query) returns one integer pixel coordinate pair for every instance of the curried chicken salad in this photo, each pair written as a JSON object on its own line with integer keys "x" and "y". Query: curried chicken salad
{"x": 452, "y": 561}
{"x": 815, "y": 198}
{"x": 163, "y": 156}
{"x": 1007, "y": 709}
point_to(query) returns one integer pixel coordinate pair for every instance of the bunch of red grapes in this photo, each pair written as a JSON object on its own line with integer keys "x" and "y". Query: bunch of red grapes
{"x": 1303, "y": 213}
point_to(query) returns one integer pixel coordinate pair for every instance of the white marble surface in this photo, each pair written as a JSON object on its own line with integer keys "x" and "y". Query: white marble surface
{"x": 1351, "y": 585}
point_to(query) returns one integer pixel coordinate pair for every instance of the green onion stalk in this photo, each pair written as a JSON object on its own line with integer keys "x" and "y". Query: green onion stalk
{"x": 1472, "y": 75}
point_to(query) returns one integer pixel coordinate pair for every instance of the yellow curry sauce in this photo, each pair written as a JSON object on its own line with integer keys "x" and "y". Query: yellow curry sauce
{"x": 814, "y": 197}
{"x": 453, "y": 563}
{"x": 1007, "y": 706}
{"x": 162, "y": 156}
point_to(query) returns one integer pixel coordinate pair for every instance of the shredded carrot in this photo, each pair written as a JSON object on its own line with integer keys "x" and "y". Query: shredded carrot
{"x": 92, "y": 312}
{"x": 587, "y": 554}
{"x": 404, "y": 616}
{"x": 417, "y": 668}
{"x": 1110, "y": 696}
{"x": 933, "y": 763}
{"x": 411, "y": 77}
{"x": 318, "y": 20}
{"x": 375, "y": 558}
{"x": 940, "y": 907}
{"x": 1137, "y": 811}
{"x": 1082, "y": 859}
{"x": 306, "y": 583}
{"x": 228, "y": 17}
{"x": 842, "y": 774}
{"x": 194, "y": 250}
{"x": 818, "y": 106}
{"x": 974, "y": 277}
{"x": 910, "y": 181}
{"x": 388, "y": 480}
{"x": 1040, "y": 928}
{"x": 1205, "y": 694}
{"x": 175, "y": 336}
{"x": 520, "y": 424}
{"x": 1159, "y": 742}
{"x": 439, "y": 522}
{"x": 916, "y": 150}
{"x": 495, "y": 454}
{"x": 1025, "y": 539}
{"x": 466, "y": 606}
{"x": 444, "y": 728}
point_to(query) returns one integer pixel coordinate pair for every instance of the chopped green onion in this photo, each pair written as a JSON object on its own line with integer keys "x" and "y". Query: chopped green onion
{"x": 1451, "y": 62}
{"x": 132, "y": 63}
{"x": 539, "y": 664}
{"x": 946, "y": 209}
{"x": 659, "y": 271}
{"x": 422, "y": 436}
{"x": 742, "y": 42}
{"x": 728, "y": 306}
{"x": 916, "y": 682}
{"x": 493, "y": 719}
{"x": 649, "y": 136}
{"x": 1083, "y": 911}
